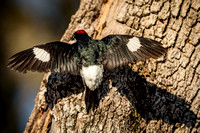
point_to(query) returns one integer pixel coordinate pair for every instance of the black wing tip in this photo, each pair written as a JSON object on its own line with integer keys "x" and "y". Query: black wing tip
{"x": 16, "y": 70}
{"x": 16, "y": 67}
{"x": 153, "y": 47}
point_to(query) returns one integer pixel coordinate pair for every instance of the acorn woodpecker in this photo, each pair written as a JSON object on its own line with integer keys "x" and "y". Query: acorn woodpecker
{"x": 86, "y": 57}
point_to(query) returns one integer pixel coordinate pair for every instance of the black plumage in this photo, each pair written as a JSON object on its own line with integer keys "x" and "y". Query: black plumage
{"x": 60, "y": 59}
{"x": 119, "y": 55}
{"x": 112, "y": 52}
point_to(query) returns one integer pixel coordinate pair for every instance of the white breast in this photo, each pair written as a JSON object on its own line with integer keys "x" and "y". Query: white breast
{"x": 92, "y": 75}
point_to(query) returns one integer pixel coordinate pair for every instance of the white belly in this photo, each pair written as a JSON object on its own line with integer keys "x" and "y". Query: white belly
{"x": 92, "y": 76}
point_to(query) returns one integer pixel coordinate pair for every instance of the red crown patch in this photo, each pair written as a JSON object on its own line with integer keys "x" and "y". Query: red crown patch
{"x": 80, "y": 32}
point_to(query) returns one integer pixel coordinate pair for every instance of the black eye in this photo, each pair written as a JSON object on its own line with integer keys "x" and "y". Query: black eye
{"x": 73, "y": 38}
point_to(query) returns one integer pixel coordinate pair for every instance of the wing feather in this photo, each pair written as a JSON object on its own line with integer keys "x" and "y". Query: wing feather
{"x": 124, "y": 49}
{"x": 54, "y": 57}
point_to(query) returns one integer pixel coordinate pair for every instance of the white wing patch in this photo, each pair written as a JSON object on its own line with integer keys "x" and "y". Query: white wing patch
{"x": 41, "y": 54}
{"x": 133, "y": 44}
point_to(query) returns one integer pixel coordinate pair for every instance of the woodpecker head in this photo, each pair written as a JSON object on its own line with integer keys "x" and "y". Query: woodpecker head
{"x": 80, "y": 35}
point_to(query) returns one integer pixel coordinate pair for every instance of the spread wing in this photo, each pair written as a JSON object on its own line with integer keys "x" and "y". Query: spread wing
{"x": 124, "y": 49}
{"x": 54, "y": 57}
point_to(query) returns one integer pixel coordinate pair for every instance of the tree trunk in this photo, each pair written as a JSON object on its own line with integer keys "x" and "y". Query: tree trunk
{"x": 152, "y": 96}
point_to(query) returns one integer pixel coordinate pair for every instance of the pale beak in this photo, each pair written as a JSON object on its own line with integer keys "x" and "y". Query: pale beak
{"x": 72, "y": 40}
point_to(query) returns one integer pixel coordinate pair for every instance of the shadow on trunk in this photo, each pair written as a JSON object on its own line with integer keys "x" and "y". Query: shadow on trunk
{"x": 150, "y": 101}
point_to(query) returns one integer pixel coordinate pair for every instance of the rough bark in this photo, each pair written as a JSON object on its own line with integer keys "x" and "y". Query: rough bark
{"x": 153, "y": 96}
